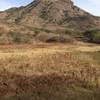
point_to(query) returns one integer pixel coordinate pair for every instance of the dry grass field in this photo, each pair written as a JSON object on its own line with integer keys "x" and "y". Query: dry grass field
{"x": 50, "y": 72}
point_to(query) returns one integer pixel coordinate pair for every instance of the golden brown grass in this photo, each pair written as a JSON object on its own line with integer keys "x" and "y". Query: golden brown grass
{"x": 45, "y": 72}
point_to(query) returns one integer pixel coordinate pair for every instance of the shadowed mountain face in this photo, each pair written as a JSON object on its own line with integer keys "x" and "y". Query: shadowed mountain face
{"x": 50, "y": 15}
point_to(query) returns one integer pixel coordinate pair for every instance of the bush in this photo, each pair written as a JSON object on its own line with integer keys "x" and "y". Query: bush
{"x": 93, "y": 36}
{"x": 96, "y": 37}
{"x": 19, "y": 38}
{"x": 38, "y": 30}
{"x": 52, "y": 37}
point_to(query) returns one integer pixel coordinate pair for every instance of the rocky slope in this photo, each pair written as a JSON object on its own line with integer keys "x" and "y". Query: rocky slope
{"x": 48, "y": 16}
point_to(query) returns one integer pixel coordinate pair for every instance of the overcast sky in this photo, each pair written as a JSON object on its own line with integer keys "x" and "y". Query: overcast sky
{"x": 92, "y": 6}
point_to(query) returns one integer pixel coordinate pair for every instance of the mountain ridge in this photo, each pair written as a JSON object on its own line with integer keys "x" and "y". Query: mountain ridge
{"x": 49, "y": 15}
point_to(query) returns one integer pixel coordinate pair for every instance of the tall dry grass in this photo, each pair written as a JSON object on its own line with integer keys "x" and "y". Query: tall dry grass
{"x": 45, "y": 74}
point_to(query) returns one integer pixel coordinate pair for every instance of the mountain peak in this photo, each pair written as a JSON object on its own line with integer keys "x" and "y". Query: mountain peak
{"x": 59, "y": 13}
{"x": 45, "y": 20}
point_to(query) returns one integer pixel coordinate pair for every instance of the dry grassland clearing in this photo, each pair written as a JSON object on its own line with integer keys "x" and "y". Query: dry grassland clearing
{"x": 50, "y": 72}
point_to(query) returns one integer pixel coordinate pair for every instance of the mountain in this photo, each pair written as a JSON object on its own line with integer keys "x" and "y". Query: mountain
{"x": 41, "y": 17}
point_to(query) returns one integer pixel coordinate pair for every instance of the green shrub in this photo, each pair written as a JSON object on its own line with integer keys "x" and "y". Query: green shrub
{"x": 96, "y": 37}
{"x": 19, "y": 38}
{"x": 52, "y": 37}
{"x": 38, "y": 30}
{"x": 93, "y": 35}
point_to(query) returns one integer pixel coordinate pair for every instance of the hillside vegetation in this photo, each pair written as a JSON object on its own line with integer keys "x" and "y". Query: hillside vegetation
{"x": 93, "y": 36}
{"x": 47, "y": 21}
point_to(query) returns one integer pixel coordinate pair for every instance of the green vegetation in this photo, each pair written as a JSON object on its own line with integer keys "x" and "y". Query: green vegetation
{"x": 93, "y": 36}
{"x": 47, "y": 35}
{"x": 58, "y": 31}
{"x": 19, "y": 38}
{"x": 38, "y": 30}
{"x": 44, "y": 13}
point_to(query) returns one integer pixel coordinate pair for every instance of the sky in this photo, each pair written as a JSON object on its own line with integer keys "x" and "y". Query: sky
{"x": 5, "y": 4}
{"x": 92, "y": 6}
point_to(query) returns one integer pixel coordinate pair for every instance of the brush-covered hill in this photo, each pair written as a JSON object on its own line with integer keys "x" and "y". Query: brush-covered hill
{"x": 46, "y": 20}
